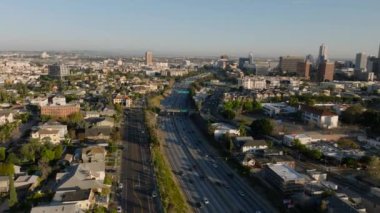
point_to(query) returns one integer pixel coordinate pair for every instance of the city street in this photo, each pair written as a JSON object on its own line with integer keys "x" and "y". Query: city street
{"x": 138, "y": 192}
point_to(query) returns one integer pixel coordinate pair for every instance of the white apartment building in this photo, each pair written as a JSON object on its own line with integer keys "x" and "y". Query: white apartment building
{"x": 320, "y": 117}
{"x": 252, "y": 83}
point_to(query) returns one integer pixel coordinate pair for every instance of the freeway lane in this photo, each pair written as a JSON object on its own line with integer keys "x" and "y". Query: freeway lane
{"x": 137, "y": 174}
{"x": 189, "y": 155}
{"x": 195, "y": 188}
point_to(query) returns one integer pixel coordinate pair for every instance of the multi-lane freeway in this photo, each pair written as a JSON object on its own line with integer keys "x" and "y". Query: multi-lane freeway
{"x": 208, "y": 183}
{"x": 138, "y": 191}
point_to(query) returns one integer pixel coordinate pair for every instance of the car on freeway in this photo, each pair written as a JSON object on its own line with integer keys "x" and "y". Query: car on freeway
{"x": 199, "y": 205}
{"x": 241, "y": 193}
{"x": 205, "y": 200}
{"x": 120, "y": 186}
{"x": 215, "y": 165}
{"x": 154, "y": 194}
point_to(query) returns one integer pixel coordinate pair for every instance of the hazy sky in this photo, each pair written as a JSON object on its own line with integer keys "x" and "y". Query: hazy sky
{"x": 193, "y": 27}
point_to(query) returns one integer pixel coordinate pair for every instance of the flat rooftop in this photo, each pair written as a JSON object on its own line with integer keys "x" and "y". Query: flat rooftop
{"x": 285, "y": 172}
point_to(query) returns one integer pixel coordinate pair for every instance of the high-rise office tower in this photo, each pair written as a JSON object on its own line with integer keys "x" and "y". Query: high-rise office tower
{"x": 322, "y": 57}
{"x": 361, "y": 61}
{"x": 148, "y": 58}
{"x": 303, "y": 69}
{"x": 310, "y": 58}
{"x": 243, "y": 62}
{"x": 326, "y": 71}
{"x": 250, "y": 56}
{"x": 290, "y": 63}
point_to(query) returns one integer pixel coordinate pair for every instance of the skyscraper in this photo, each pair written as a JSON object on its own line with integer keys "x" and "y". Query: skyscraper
{"x": 149, "y": 58}
{"x": 303, "y": 69}
{"x": 289, "y": 64}
{"x": 361, "y": 61}
{"x": 326, "y": 71}
{"x": 322, "y": 57}
{"x": 310, "y": 58}
{"x": 250, "y": 56}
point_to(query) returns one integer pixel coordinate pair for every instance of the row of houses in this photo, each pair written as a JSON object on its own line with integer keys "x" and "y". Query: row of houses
{"x": 80, "y": 186}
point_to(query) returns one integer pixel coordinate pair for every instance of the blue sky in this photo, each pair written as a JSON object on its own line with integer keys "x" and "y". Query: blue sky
{"x": 193, "y": 27}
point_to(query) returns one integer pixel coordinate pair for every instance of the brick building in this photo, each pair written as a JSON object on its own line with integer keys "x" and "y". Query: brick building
{"x": 60, "y": 111}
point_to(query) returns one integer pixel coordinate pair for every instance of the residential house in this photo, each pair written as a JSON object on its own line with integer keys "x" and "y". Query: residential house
{"x": 57, "y": 208}
{"x": 108, "y": 112}
{"x": 255, "y": 145}
{"x": 82, "y": 176}
{"x": 248, "y": 144}
{"x": 221, "y": 129}
{"x": 39, "y": 101}
{"x": 26, "y": 181}
{"x": 274, "y": 109}
{"x": 93, "y": 154}
{"x": 92, "y": 114}
{"x": 83, "y": 198}
{"x": 248, "y": 160}
{"x": 122, "y": 100}
{"x": 62, "y": 129}
{"x": 98, "y": 133}
{"x": 6, "y": 116}
{"x": 319, "y": 116}
{"x": 47, "y": 135}
{"x": 59, "y": 100}
{"x": 4, "y": 184}
{"x": 105, "y": 122}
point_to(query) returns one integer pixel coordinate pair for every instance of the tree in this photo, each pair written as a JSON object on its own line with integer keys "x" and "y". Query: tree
{"x": 242, "y": 130}
{"x": 229, "y": 114}
{"x": 108, "y": 180}
{"x": 352, "y": 114}
{"x": 58, "y": 151}
{"x": 374, "y": 167}
{"x": 12, "y": 192}
{"x": 28, "y": 152}
{"x": 293, "y": 101}
{"x": 12, "y": 158}
{"x": 75, "y": 119}
{"x": 2, "y": 153}
{"x": 262, "y": 127}
{"x": 6, "y": 169}
{"x": 310, "y": 102}
{"x": 47, "y": 155}
{"x": 315, "y": 154}
{"x": 346, "y": 143}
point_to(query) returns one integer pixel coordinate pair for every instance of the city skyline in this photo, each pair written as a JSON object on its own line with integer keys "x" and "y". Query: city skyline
{"x": 266, "y": 28}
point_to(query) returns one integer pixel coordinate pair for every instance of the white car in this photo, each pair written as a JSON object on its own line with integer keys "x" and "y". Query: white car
{"x": 119, "y": 209}
{"x": 241, "y": 193}
{"x": 121, "y": 185}
{"x": 205, "y": 200}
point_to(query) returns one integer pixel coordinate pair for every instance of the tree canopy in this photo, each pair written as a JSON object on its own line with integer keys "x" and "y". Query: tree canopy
{"x": 262, "y": 127}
